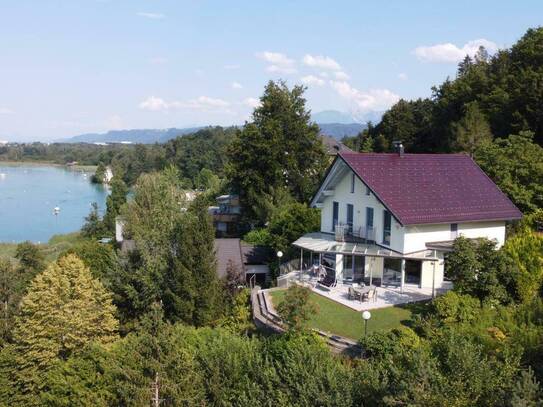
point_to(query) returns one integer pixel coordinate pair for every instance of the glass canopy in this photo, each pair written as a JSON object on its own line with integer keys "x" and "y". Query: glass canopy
{"x": 326, "y": 243}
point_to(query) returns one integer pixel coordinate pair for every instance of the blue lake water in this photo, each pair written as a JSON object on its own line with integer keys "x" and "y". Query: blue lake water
{"x": 29, "y": 193}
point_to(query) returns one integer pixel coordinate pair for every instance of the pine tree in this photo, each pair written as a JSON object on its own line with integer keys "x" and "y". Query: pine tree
{"x": 472, "y": 130}
{"x": 64, "y": 309}
{"x": 191, "y": 285}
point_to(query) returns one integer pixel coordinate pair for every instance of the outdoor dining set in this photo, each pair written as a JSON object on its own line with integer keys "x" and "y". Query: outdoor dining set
{"x": 363, "y": 294}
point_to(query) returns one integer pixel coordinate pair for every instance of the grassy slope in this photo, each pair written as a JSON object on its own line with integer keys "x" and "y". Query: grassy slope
{"x": 56, "y": 245}
{"x": 341, "y": 320}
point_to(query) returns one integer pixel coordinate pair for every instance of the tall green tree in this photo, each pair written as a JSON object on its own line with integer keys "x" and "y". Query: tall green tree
{"x": 472, "y": 130}
{"x": 93, "y": 227}
{"x": 191, "y": 286}
{"x": 64, "y": 309}
{"x": 279, "y": 149}
{"x": 114, "y": 202}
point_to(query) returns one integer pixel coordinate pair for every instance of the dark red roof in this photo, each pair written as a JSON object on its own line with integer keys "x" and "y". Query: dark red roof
{"x": 432, "y": 188}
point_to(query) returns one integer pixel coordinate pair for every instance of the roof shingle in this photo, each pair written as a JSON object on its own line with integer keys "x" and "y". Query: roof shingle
{"x": 432, "y": 188}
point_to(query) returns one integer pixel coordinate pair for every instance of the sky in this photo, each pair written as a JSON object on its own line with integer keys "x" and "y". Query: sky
{"x": 84, "y": 66}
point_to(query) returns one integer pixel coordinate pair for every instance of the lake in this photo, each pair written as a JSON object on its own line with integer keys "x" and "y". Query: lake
{"x": 30, "y": 192}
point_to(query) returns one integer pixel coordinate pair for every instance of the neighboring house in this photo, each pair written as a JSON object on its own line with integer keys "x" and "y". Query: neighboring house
{"x": 389, "y": 219}
{"x": 226, "y": 215}
{"x": 333, "y": 146}
{"x": 251, "y": 260}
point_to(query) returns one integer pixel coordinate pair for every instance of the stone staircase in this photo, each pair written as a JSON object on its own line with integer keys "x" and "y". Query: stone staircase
{"x": 266, "y": 319}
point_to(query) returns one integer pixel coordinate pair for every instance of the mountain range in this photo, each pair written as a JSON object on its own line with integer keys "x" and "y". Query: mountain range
{"x": 332, "y": 123}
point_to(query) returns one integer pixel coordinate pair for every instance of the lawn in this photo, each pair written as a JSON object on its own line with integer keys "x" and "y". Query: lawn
{"x": 56, "y": 245}
{"x": 338, "y": 319}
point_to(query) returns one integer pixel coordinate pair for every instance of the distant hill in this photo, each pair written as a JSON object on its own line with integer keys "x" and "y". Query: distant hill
{"x": 143, "y": 136}
{"x": 340, "y": 130}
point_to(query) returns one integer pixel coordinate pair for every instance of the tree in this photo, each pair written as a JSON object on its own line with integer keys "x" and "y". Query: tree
{"x": 191, "y": 286}
{"x": 14, "y": 281}
{"x": 207, "y": 180}
{"x": 93, "y": 226}
{"x": 152, "y": 215}
{"x": 98, "y": 257}
{"x": 100, "y": 174}
{"x": 30, "y": 257}
{"x": 526, "y": 252}
{"x": 515, "y": 164}
{"x": 472, "y": 130}
{"x": 290, "y": 222}
{"x": 297, "y": 307}
{"x": 279, "y": 149}
{"x": 476, "y": 268}
{"x": 527, "y": 392}
{"x": 114, "y": 202}
{"x": 64, "y": 309}
{"x": 234, "y": 280}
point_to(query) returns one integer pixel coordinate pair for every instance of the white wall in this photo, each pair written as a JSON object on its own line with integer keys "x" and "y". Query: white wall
{"x": 359, "y": 200}
{"x": 417, "y": 236}
{"x": 427, "y": 272}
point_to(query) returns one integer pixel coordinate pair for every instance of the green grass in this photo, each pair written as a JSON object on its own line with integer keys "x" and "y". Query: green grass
{"x": 338, "y": 319}
{"x": 56, "y": 245}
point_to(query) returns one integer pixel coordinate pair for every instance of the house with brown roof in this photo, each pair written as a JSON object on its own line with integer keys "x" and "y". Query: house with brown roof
{"x": 389, "y": 219}
{"x": 249, "y": 259}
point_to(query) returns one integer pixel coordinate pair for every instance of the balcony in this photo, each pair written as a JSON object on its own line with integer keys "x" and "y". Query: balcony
{"x": 345, "y": 232}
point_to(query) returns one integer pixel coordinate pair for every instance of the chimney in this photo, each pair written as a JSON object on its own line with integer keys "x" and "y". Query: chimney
{"x": 398, "y": 147}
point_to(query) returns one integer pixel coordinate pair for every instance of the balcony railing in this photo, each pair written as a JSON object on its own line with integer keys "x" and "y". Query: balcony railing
{"x": 345, "y": 231}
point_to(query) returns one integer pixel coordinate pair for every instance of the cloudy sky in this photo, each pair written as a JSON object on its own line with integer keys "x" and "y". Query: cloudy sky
{"x": 78, "y": 66}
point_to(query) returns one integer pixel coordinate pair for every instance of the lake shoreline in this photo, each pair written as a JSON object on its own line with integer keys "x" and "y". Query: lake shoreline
{"x": 81, "y": 168}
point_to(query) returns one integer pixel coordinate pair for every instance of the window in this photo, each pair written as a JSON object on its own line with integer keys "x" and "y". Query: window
{"x": 454, "y": 230}
{"x": 369, "y": 235}
{"x": 350, "y": 214}
{"x": 335, "y": 216}
{"x": 352, "y": 183}
{"x": 368, "y": 191}
{"x": 387, "y": 222}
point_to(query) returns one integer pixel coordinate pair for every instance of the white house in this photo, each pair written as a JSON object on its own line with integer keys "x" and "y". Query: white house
{"x": 389, "y": 219}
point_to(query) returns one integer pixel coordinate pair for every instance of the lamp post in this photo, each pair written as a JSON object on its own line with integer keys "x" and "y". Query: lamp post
{"x": 366, "y": 315}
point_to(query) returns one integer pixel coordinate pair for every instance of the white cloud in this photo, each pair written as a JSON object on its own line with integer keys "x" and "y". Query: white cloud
{"x": 403, "y": 76}
{"x": 372, "y": 100}
{"x": 236, "y": 85}
{"x": 341, "y": 76}
{"x": 152, "y": 16}
{"x": 448, "y": 52}
{"x": 5, "y": 110}
{"x": 155, "y": 104}
{"x": 280, "y": 63}
{"x": 320, "y": 61}
{"x": 252, "y": 102}
{"x": 323, "y": 74}
{"x": 312, "y": 80}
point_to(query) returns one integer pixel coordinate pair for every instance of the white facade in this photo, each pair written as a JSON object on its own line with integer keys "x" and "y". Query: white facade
{"x": 405, "y": 240}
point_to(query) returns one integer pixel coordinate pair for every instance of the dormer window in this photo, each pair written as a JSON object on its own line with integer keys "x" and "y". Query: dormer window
{"x": 352, "y": 183}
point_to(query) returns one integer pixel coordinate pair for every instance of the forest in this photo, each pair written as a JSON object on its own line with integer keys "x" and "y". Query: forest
{"x": 156, "y": 326}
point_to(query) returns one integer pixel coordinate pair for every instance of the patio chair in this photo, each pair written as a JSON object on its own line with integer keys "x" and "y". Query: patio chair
{"x": 372, "y": 295}
{"x": 353, "y": 294}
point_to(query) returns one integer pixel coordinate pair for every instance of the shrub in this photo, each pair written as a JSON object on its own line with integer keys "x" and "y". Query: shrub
{"x": 454, "y": 307}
